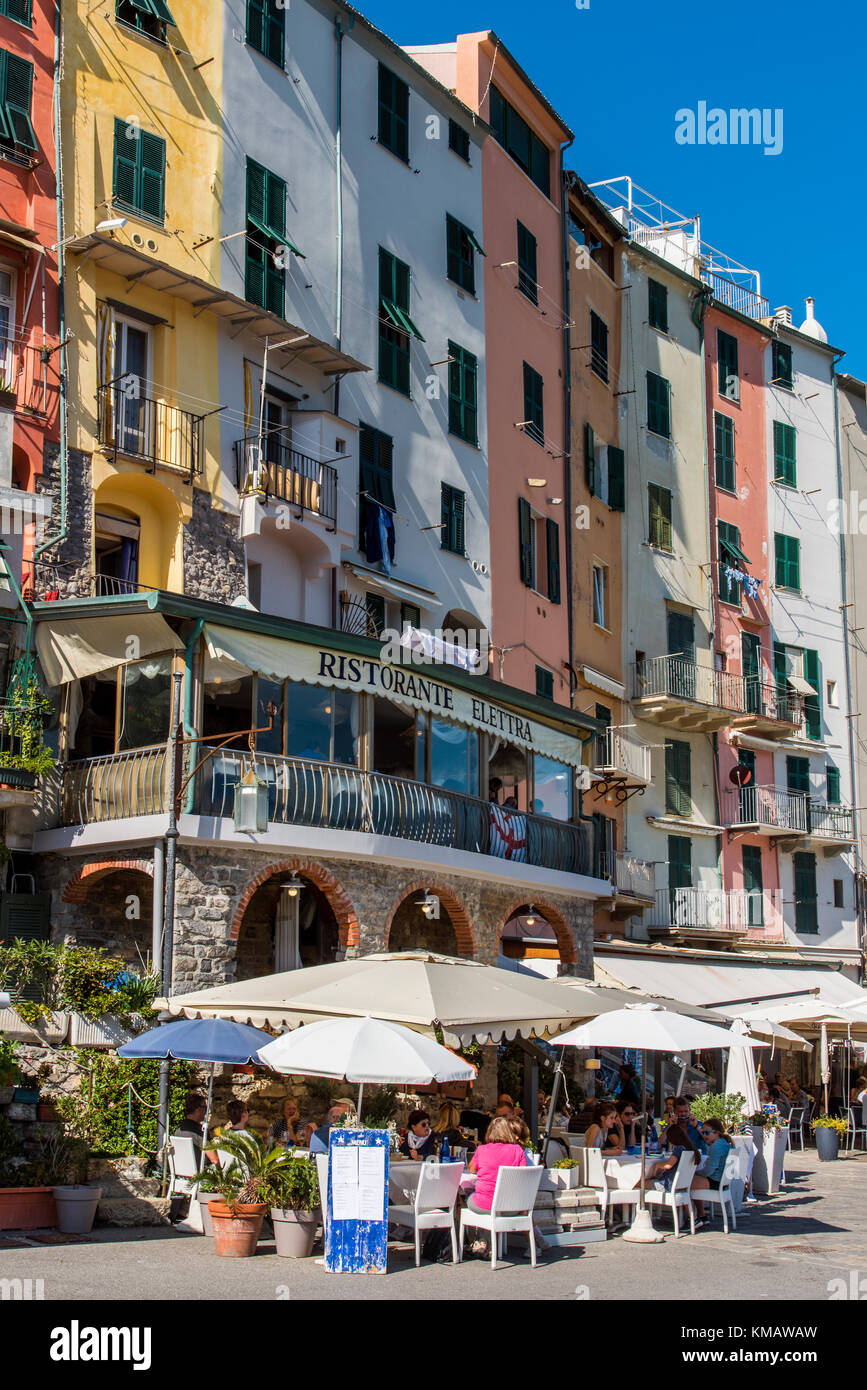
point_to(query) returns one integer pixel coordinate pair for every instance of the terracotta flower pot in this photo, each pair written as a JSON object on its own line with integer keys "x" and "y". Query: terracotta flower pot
{"x": 294, "y": 1231}
{"x": 236, "y": 1229}
{"x": 27, "y": 1208}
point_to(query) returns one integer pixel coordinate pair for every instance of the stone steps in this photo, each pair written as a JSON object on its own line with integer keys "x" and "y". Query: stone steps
{"x": 133, "y": 1211}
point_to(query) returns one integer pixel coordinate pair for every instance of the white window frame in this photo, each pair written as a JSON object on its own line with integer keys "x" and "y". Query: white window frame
{"x": 600, "y": 595}
{"x": 7, "y": 351}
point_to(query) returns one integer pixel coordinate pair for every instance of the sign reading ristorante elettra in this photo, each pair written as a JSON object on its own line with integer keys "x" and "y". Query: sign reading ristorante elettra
{"x": 372, "y": 676}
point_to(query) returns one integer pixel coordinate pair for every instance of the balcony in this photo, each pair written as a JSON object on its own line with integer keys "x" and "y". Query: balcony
{"x": 325, "y": 796}
{"x": 833, "y": 824}
{"x": 714, "y": 912}
{"x": 789, "y": 815}
{"x": 770, "y": 711}
{"x": 44, "y": 580}
{"x": 633, "y": 881}
{"x": 279, "y": 473}
{"x": 674, "y": 691}
{"x": 30, "y": 372}
{"x": 621, "y": 764}
{"x": 159, "y": 434}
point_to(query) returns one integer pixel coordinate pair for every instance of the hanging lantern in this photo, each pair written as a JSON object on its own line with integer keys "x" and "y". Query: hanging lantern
{"x": 251, "y": 803}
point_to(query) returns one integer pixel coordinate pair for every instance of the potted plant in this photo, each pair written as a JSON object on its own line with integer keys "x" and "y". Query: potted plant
{"x": 8, "y": 398}
{"x": 565, "y": 1173}
{"x": 294, "y": 1197}
{"x": 24, "y": 756}
{"x": 62, "y": 1162}
{"x": 26, "y": 1202}
{"x": 828, "y": 1132}
{"x": 771, "y": 1136}
{"x": 240, "y": 1188}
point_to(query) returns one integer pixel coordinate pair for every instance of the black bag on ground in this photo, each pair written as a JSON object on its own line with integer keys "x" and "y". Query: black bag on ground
{"x": 437, "y": 1247}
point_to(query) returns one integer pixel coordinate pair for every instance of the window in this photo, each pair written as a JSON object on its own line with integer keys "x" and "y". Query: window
{"x": 265, "y": 28}
{"x": 454, "y": 757}
{"x": 395, "y": 325}
{"x": 616, "y": 479}
{"x": 7, "y": 320}
{"x": 254, "y": 584}
{"x": 658, "y": 405}
{"x": 724, "y": 451}
{"x": 463, "y": 394}
{"x": 544, "y": 683}
{"x": 16, "y": 86}
{"x": 679, "y": 863}
{"x": 375, "y": 481}
{"x": 798, "y": 775}
{"x": 538, "y": 537}
{"x": 459, "y": 141}
{"x": 832, "y": 785}
{"x": 147, "y": 16}
{"x": 598, "y": 346}
{"x": 657, "y": 305}
{"x": 461, "y": 248}
{"x": 393, "y": 113}
{"x": 839, "y": 900}
{"x": 145, "y": 703}
{"x": 534, "y": 415}
{"x": 806, "y": 900}
{"x": 753, "y": 885}
{"x": 19, "y": 10}
{"x": 730, "y": 557}
{"x": 600, "y": 595}
{"x": 139, "y": 170}
{"x": 133, "y": 355}
{"x": 678, "y": 791}
{"x": 813, "y": 703}
{"x": 266, "y": 234}
{"x": 781, "y": 366}
{"x": 453, "y": 517}
{"x": 410, "y": 616}
{"x": 659, "y": 517}
{"x": 787, "y": 551}
{"x": 512, "y": 132}
{"x": 785, "y": 470}
{"x": 527, "y": 266}
{"x": 375, "y": 605}
{"x": 830, "y": 690}
{"x": 323, "y": 724}
{"x": 552, "y": 788}
{"x": 727, "y": 358}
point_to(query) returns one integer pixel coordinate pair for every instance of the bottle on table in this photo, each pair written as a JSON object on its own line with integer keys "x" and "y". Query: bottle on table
{"x": 445, "y": 1150}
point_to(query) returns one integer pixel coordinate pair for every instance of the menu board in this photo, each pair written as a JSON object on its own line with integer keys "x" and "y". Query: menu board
{"x": 357, "y": 1201}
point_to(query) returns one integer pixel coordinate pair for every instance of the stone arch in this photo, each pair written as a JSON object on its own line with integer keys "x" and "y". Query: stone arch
{"x": 80, "y": 884}
{"x": 460, "y": 917}
{"x": 328, "y": 885}
{"x": 552, "y": 915}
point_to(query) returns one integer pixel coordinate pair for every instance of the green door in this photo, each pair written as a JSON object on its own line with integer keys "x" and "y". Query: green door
{"x": 798, "y": 780}
{"x": 806, "y": 900}
{"x": 747, "y": 798}
{"x": 752, "y": 862}
{"x": 681, "y": 648}
{"x": 679, "y": 876}
{"x": 752, "y": 669}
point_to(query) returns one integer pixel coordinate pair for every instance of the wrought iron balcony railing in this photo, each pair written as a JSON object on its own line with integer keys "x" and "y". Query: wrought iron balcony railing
{"x": 773, "y": 808}
{"x": 30, "y": 371}
{"x": 680, "y": 679}
{"x": 767, "y": 700}
{"x": 160, "y": 434}
{"x": 285, "y": 475}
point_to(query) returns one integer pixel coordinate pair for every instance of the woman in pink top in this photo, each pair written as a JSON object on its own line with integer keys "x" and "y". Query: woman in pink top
{"x": 498, "y": 1151}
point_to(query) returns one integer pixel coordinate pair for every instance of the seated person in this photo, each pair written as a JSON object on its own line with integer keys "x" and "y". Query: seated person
{"x": 289, "y": 1129}
{"x": 520, "y": 1130}
{"x": 475, "y": 1119}
{"x": 238, "y": 1115}
{"x": 662, "y": 1173}
{"x": 192, "y": 1126}
{"x": 718, "y": 1147}
{"x": 630, "y": 1125}
{"x": 683, "y": 1116}
{"x": 498, "y": 1151}
{"x": 319, "y": 1137}
{"x": 448, "y": 1124}
{"x": 605, "y": 1133}
{"x": 418, "y": 1142}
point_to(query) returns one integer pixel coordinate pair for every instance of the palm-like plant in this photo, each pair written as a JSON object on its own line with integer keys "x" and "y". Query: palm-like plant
{"x": 255, "y": 1165}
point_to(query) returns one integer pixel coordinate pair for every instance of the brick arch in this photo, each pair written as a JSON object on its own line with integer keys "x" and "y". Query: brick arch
{"x": 338, "y": 899}
{"x": 458, "y": 914}
{"x": 554, "y": 917}
{"x": 78, "y": 887}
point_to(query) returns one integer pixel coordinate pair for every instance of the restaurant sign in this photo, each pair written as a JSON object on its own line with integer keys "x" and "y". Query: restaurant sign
{"x": 231, "y": 652}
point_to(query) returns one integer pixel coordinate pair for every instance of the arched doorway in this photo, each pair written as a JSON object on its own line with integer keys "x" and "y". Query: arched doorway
{"x": 114, "y": 911}
{"x": 286, "y": 928}
{"x": 413, "y": 929}
{"x": 529, "y": 944}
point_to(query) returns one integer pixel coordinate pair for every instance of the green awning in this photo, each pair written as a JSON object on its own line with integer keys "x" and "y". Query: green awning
{"x": 734, "y": 552}
{"x": 275, "y": 236}
{"x": 400, "y": 318}
{"x": 158, "y": 8}
{"x": 475, "y": 243}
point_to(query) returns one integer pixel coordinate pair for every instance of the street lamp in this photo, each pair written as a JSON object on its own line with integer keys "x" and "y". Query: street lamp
{"x": 251, "y": 803}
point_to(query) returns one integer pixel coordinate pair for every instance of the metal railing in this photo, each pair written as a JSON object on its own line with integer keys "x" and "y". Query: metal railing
{"x": 618, "y": 751}
{"x": 160, "y": 434}
{"x": 716, "y": 909}
{"x": 43, "y": 579}
{"x": 114, "y": 787}
{"x": 286, "y": 475}
{"x": 831, "y": 822}
{"x": 636, "y": 877}
{"x": 30, "y": 370}
{"x": 745, "y": 301}
{"x": 682, "y": 679}
{"x": 774, "y": 807}
{"x": 770, "y": 701}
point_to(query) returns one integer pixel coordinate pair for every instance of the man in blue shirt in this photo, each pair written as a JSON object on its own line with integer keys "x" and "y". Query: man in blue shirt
{"x": 684, "y": 1119}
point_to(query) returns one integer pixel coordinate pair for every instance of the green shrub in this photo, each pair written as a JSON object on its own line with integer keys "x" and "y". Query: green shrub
{"x": 103, "y": 1111}
{"x": 729, "y": 1110}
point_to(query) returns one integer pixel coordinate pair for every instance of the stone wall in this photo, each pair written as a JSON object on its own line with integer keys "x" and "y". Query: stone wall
{"x": 74, "y": 556}
{"x": 213, "y": 553}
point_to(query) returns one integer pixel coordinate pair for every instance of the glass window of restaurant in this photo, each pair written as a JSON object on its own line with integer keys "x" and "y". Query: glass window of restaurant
{"x": 507, "y": 774}
{"x": 122, "y": 708}
{"x": 395, "y": 741}
{"x": 322, "y": 723}
{"x": 552, "y": 788}
{"x": 454, "y": 757}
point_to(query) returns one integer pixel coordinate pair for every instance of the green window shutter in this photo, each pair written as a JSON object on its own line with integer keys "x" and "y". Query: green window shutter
{"x": 590, "y": 458}
{"x": 832, "y": 785}
{"x": 785, "y": 467}
{"x": 678, "y": 788}
{"x": 781, "y": 365}
{"x": 17, "y": 97}
{"x": 798, "y": 775}
{"x": 616, "y": 479}
{"x": 544, "y": 683}
{"x": 752, "y": 861}
{"x": 453, "y": 519}
{"x": 275, "y": 30}
{"x": 552, "y": 535}
{"x": 152, "y": 164}
{"x": 19, "y": 10}
{"x": 460, "y": 254}
{"x": 256, "y": 180}
{"x": 125, "y": 178}
{"x": 410, "y": 616}
{"x": 724, "y": 451}
{"x": 780, "y": 678}
{"x": 534, "y": 404}
{"x": 806, "y": 900}
{"x": 679, "y": 862}
{"x": 727, "y": 535}
{"x": 787, "y": 554}
{"x": 256, "y": 24}
{"x": 659, "y": 514}
{"x": 459, "y": 141}
{"x": 657, "y": 296}
{"x": 658, "y": 405}
{"x": 393, "y": 113}
{"x": 527, "y": 264}
{"x": 376, "y": 465}
{"x": 813, "y": 703}
{"x": 463, "y": 394}
{"x": 598, "y": 346}
{"x": 525, "y": 532}
{"x": 727, "y": 360}
{"x": 25, "y": 917}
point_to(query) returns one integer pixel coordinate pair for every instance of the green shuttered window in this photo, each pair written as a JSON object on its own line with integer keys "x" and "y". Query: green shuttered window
{"x": 806, "y": 898}
{"x": 657, "y": 305}
{"x": 787, "y": 553}
{"x": 527, "y": 543}
{"x": 16, "y": 90}
{"x": 727, "y": 358}
{"x": 459, "y": 141}
{"x": 616, "y": 479}
{"x": 544, "y": 683}
{"x": 832, "y": 785}
{"x": 552, "y": 535}
{"x": 393, "y": 113}
{"x": 19, "y": 10}
{"x": 728, "y": 547}
{"x": 785, "y": 464}
{"x": 813, "y": 703}
{"x": 527, "y": 264}
{"x": 534, "y": 412}
{"x": 724, "y": 451}
{"x": 678, "y": 789}
{"x": 139, "y": 170}
{"x": 659, "y": 517}
{"x": 461, "y": 248}
{"x": 512, "y": 132}
{"x": 463, "y": 394}
{"x": 598, "y": 347}
{"x": 266, "y": 233}
{"x": 679, "y": 862}
{"x": 266, "y": 28}
{"x": 395, "y": 325}
{"x": 453, "y": 532}
{"x": 658, "y": 405}
{"x": 781, "y": 366}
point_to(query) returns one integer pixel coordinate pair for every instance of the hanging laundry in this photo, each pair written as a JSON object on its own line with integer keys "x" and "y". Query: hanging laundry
{"x": 379, "y": 536}
{"x": 751, "y": 586}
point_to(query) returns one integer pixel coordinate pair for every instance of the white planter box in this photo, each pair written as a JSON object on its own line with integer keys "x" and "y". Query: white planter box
{"x": 741, "y": 1167}
{"x": 768, "y": 1164}
{"x": 52, "y": 1029}
{"x": 560, "y": 1179}
{"x": 101, "y": 1032}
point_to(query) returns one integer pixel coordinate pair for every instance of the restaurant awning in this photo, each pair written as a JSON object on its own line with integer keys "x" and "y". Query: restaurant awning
{"x": 721, "y": 985}
{"x": 79, "y": 647}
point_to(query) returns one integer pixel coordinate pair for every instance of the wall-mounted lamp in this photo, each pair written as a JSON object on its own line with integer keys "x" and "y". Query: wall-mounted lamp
{"x": 293, "y": 885}
{"x": 430, "y": 906}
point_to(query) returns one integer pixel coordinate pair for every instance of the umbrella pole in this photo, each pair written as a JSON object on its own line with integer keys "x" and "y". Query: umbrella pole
{"x": 552, "y": 1106}
{"x": 641, "y": 1232}
{"x": 360, "y": 1095}
{"x": 208, "y": 1112}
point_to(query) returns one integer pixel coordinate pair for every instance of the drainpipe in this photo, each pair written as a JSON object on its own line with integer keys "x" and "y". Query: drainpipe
{"x": 64, "y": 442}
{"x": 339, "y": 32}
{"x": 567, "y": 420}
{"x": 844, "y": 596}
{"x": 189, "y": 730}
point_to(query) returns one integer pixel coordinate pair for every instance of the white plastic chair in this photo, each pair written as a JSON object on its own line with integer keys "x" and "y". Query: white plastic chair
{"x": 511, "y": 1210}
{"x": 322, "y": 1171}
{"x": 723, "y": 1195}
{"x": 854, "y": 1128}
{"x": 607, "y": 1191}
{"x": 679, "y": 1195}
{"x": 434, "y": 1205}
{"x": 185, "y": 1160}
{"x": 796, "y": 1125}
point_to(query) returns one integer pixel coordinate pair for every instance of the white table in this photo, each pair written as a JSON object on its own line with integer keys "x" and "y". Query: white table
{"x": 625, "y": 1169}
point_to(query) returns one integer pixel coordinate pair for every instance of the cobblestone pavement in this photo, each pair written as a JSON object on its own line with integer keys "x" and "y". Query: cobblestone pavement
{"x": 792, "y": 1246}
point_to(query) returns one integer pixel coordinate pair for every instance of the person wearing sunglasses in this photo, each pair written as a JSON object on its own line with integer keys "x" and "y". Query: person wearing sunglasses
{"x": 629, "y": 1116}
{"x": 718, "y": 1147}
{"x": 418, "y": 1142}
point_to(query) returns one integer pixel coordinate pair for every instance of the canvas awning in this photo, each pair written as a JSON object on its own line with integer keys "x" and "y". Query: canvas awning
{"x": 800, "y": 686}
{"x": 82, "y": 647}
{"x": 394, "y": 588}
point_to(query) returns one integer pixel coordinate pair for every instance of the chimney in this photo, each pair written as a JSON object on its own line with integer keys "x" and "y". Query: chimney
{"x": 783, "y": 314}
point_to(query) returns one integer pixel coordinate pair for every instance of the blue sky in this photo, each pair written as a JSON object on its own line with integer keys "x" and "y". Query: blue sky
{"x": 617, "y": 73}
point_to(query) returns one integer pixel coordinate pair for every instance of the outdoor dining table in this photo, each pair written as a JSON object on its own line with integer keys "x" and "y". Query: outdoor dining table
{"x": 403, "y": 1180}
{"x": 626, "y": 1168}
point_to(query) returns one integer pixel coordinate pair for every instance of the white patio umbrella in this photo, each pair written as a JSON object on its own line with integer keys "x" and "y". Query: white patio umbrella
{"x": 741, "y": 1071}
{"x": 650, "y": 1028}
{"x": 364, "y": 1050}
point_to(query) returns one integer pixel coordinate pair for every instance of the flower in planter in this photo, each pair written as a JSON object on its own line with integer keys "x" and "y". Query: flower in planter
{"x": 565, "y": 1163}
{"x": 830, "y": 1122}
